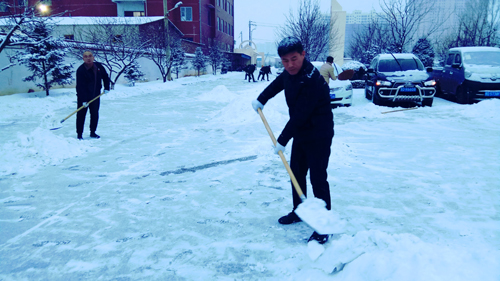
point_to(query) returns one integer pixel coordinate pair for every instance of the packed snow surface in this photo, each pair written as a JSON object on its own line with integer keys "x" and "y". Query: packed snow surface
{"x": 184, "y": 185}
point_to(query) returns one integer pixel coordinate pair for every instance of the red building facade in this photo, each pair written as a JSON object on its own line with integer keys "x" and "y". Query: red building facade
{"x": 206, "y": 22}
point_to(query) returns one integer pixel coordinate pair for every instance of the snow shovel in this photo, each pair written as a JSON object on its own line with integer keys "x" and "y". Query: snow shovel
{"x": 80, "y": 108}
{"x": 397, "y": 110}
{"x": 312, "y": 211}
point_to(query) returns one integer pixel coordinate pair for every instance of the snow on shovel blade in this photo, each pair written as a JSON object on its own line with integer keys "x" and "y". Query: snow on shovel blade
{"x": 313, "y": 212}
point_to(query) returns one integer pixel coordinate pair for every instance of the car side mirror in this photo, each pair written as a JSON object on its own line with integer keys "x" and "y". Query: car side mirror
{"x": 456, "y": 65}
{"x": 429, "y": 69}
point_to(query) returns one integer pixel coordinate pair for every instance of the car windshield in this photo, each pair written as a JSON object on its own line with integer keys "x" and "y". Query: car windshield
{"x": 391, "y": 65}
{"x": 482, "y": 58}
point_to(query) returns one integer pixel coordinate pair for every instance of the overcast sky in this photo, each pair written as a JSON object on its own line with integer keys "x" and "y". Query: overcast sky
{"x": 268, "y": 14}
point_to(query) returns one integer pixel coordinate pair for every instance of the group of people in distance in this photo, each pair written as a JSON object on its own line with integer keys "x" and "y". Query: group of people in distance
{"x": 250, "y": 69}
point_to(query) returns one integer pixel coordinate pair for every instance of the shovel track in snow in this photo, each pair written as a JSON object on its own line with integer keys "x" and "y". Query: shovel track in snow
{"x": 206, "y": 166}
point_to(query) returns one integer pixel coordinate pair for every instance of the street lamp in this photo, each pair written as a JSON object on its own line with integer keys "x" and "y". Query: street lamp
{"x": 166, "y": 11}
{"x": 43, "y": 8}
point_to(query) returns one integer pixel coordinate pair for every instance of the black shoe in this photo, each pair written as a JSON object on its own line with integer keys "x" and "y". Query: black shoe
{"x": 289, "y": 219}
{"x": 80, "y": 137}
{"x": 94, "y": 135}
{"x": 322, "y": 239}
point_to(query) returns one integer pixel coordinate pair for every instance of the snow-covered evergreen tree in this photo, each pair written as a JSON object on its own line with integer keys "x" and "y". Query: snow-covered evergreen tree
{"x": 178, "y": 57}
{"x": 424, "y": 51}
{"x": 45, "y": 58}
{"x": 200, "y": 60}
{"x": 133, "y": 73}
{"x": 214, "y": 58}
{"x": 225, "y": 65}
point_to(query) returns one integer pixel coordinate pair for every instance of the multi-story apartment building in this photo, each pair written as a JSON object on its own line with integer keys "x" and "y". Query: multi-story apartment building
{"x": 204, "y": 22}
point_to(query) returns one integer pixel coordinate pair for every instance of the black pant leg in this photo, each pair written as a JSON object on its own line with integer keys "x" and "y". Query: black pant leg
{"x": 94, "y": 114}
{"x": 318, "y": 155}
{"x": 80, "y": 118}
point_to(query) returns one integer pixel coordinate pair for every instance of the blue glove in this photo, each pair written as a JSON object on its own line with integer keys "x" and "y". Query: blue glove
{"x": 256, "y": 105}
{"x": 279, "y": 148}
{"x": 106, "y": 91}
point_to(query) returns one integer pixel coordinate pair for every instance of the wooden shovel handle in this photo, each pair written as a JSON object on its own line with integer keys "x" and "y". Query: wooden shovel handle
{"x": 81, "y": 107}
{"x": 287, "y": 167}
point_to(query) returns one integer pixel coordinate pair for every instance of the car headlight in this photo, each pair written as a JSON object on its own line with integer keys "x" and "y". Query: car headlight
{"x": 430, "y": 83}
{"x": 383, "y": 83}
{"x": 348, "y": 87}
{"x": 467, "y": 74}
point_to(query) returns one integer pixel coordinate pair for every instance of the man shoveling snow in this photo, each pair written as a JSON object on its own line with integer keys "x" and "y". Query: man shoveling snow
{"x": 310, "y": 125}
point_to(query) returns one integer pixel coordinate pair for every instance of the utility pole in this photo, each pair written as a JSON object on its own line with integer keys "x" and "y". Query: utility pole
{"x": 250, "y": 24}
{"x": 165, "y": 20}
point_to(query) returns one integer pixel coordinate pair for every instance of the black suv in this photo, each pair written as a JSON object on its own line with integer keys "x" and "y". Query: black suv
{"x": 395, "y": 78}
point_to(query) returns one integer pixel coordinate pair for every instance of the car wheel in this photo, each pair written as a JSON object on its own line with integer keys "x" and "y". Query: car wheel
{"x": 427, "y": 102}
{"x": 463, "y": 95}
{"x": 367, "y": 96}
{"x": 439, "y": 92}
{"x": 377, "y": 99}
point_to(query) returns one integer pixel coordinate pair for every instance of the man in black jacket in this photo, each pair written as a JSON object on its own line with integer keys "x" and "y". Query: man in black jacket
{"x": 88, "y": 86}
{"x": 310, "y": 125}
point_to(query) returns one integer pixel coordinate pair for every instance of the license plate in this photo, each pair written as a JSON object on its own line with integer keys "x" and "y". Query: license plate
{"x": 492, "y": 94}
{"x": 406, "y": 89}
{"x": 332, "y": 96}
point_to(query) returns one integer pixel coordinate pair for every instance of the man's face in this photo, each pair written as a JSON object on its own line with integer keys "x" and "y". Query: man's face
{"x": 293, "y": 62}
{"x": 88, "y": 58}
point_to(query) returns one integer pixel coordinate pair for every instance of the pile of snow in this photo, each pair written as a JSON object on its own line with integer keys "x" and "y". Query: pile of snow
{"x": 487, "y": 109}
{"x": 376, "y": 255}
{"x": 39, "y": 148}
{"x": 218, "y": 94}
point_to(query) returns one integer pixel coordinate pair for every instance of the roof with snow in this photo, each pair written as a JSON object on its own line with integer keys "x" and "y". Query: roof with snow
{"x": 476, "y": 49}
{"x": 96, "y": 20}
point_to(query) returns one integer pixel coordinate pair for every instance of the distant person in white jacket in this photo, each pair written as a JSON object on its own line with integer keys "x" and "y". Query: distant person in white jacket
{"x": 326, "y": 70}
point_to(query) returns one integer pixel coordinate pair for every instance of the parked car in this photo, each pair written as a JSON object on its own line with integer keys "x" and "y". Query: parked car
{"x": 470, "y": 74}
{"x": 395, "y": 78}
{"x": 340, "y": 90}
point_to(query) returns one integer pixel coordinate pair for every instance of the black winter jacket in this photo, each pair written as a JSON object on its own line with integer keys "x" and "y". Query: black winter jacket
{"x": 88, "y": 85}
{"x": 308, "y": 99}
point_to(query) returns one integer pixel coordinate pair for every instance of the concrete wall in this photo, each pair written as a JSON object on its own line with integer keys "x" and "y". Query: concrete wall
{"x": 11, "y": 79}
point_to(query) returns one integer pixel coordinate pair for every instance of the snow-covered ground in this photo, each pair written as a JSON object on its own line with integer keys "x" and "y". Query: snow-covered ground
{"x": 184, "y": 185}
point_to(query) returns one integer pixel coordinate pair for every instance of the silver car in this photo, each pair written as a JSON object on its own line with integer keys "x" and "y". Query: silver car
{"x": 340, "y": 90}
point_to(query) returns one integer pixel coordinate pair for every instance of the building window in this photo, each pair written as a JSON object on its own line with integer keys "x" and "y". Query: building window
{"x": 133, "y": 14}
{"x": 117, "y": 38}
{"x": 69, "y": 37}
{"x": 186, "y": 14}
{"x": 4, "y": 7}
{"x": 209, "y": 18}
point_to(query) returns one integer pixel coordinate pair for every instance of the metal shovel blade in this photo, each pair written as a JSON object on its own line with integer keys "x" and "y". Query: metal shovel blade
{"x": 313, "y": 212}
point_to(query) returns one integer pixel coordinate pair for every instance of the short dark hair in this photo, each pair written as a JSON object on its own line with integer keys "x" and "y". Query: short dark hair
{"x": 289, "y": 45}
{"x": 329, "y": 59}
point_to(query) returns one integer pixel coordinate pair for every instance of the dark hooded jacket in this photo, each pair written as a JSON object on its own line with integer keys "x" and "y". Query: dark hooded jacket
{"x": 308, "y": 99}
{"x": 88, "y": 82}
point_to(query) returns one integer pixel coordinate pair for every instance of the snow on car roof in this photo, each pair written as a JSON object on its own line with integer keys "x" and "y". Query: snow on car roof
{"x": 476, "y": 49}
{"x": 398, "y": 56}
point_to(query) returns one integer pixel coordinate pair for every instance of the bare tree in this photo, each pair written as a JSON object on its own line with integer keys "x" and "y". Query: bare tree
{"x": 117, "y": 45}
{"x": 479, "y": 24}
{"x": 369, "y": 41}
{"x": 215, "y": 56}
{"x": 156, "y": 46}
{"x": 403, "y": 18}
{"x": 311, "y": 27}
